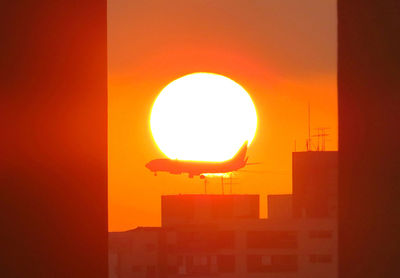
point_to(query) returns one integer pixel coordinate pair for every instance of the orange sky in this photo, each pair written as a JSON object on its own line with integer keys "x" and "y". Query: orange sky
{"x": 282, "y": 52}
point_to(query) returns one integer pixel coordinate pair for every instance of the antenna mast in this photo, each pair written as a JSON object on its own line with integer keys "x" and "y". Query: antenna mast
{"x": 321, "y": 137}
{"x": 230, "y": 182}
{"x": 309, "y": 129}
{"x": 222, "y": 184}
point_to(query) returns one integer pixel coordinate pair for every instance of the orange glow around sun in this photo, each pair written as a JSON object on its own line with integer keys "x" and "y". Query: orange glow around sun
{"x": 156, "y": 110}
{"x": 203, "y": 117}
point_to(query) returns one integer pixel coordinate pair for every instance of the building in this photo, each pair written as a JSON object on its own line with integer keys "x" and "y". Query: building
{"x": 315, "y": 184}
{"x": 135, "y": 253}
{"x": 223, "y": 235}
{"x": 280, "y": 206}
{"x": 195, "y": 210}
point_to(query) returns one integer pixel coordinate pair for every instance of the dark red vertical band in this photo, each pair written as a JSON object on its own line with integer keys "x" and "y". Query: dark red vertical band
{"x": 369, "y": 136}
{"x": 53, "y": 191}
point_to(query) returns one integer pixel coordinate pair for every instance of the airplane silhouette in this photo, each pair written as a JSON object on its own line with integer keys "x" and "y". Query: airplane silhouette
{"x": 199, "y": 168}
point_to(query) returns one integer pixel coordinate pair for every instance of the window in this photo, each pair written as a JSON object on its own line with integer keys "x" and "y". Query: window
{"x": 204, "y": 241}
{"x": 266, "y": 260}
{"x": 197, "y": 265}
{"x": 271, "y": 263}
{"x": 271, "y": 239}
{"x": 320, "y": 258}
{"x": 200, "y": 260}
{"x": 182, "y": 270}
{"x": 321, "y": 234}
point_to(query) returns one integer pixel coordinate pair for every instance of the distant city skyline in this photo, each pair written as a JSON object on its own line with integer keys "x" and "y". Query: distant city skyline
{"x": 203, "y": 235}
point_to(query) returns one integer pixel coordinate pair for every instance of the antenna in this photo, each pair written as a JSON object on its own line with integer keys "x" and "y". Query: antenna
{"x": 309, "y": 128}
{"x": 230, "y": 182}
{"x": 222, "y": 184}
{"x": 321, "y": 135}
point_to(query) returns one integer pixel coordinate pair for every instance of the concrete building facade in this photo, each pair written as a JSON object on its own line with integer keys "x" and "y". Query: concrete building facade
{"x": 315, "y": 184}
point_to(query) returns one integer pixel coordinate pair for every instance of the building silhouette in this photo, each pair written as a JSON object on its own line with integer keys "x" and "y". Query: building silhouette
{"x": 315, "y": 184}
{"x": 208, "y": 235}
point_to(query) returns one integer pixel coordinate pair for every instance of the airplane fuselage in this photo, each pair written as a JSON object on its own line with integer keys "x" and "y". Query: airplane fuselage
{"x": 195, "y": 168}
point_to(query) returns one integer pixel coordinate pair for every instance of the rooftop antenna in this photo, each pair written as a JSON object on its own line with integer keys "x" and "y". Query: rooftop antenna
{"x": 309, "y": 129}
{"x": 321, "y": 133}
{"x": 230, "y": 182}
{"x": 204, "y": 177}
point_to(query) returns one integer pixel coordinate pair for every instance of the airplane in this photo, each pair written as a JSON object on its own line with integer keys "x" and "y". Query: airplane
{"x": 199, "y": 168}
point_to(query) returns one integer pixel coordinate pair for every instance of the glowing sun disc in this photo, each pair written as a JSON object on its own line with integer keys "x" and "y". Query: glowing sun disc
{"x": 203, "y": 117}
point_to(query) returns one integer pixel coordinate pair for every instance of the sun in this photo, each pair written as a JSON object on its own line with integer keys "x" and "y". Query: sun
{"x": 203, "y": 117}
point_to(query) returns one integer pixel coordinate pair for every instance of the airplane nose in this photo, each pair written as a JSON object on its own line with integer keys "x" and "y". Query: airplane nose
{"x": 147, "y": 165}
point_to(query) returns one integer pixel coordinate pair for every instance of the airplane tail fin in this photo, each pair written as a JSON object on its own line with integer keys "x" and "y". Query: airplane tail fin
{"x": 241, "y": 154}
